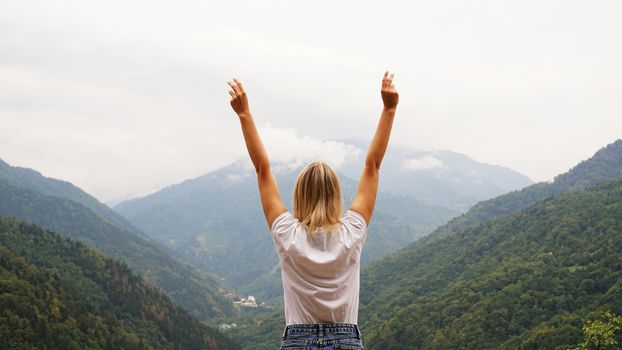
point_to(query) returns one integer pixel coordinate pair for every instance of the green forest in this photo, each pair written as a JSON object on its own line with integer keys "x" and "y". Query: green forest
{"x": 60, "y": 294}
{"x": 522, "y": 281}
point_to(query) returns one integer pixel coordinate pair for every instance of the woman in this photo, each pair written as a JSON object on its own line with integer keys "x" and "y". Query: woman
{"x": 319, "y": 249}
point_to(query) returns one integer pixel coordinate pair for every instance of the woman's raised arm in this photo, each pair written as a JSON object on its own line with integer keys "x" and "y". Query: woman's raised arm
{"x": 365, "y": 198}
{"x": 271, "y": 201}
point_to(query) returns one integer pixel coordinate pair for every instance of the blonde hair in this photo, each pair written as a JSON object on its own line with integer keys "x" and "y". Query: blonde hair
{"x": 317, "y": 197}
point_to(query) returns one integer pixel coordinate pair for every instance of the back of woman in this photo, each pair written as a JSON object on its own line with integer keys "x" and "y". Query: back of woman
{"x": 320, "y": 271}
{"x": 319, "y": 248}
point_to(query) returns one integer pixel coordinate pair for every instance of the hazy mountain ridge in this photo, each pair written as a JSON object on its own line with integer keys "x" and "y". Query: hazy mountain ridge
{"x": 440, "y": 177}
{"x": 195, "y": 290}
{"x": 216, "y": 221}
{"x": 605, "y": 164}
{"x": 61, "y": 294}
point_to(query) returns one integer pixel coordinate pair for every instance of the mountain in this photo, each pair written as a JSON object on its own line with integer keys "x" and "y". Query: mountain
{"x": 215, "y": 221}
{"x": 495, "y": 248}
{"x": 192, "y": 289}
{"x": 33, "y": 180}
{"x": 605, "y": 164}
{"x": 60, "y": 294}
{"x": 439, "y": 177}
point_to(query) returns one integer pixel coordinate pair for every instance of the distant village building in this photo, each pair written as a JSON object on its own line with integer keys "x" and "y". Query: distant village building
{"x": 225, "y": 326}
{"x": 249, "y": 302}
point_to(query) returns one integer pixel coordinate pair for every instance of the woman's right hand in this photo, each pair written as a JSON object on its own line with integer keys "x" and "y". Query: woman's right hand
{"x": 390, "y": 97}
{"x": 239, "y": 101}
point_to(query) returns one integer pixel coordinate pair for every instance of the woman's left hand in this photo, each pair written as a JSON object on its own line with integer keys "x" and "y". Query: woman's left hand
{"x": 389, "y": 94}
{"x": 239, "y": 101}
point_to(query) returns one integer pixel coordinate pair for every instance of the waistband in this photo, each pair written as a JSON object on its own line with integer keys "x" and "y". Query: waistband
{"x": 321, "y": 328}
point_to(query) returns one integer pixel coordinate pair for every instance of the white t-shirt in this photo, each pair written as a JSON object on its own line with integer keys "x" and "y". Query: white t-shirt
{"x": 321, "y": 272}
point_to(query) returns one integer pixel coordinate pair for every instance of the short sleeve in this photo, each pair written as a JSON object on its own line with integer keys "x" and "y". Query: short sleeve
{"x": 356, "y": 228}
{"x": 356, "y": 219}
{"x": 283, "y": 228}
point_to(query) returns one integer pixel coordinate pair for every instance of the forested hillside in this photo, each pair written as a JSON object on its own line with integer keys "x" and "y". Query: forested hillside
{"x": 522, "y": 281}
{"x": 61, "y": 294}
{"x": 194, "y": 290}
{"x": 216, "y": 222}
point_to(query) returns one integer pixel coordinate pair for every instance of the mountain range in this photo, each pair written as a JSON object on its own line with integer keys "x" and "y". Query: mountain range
{"x": 522, "y": 270}
{"x": 215, "y": 221}
{"x": 438, "y": 177}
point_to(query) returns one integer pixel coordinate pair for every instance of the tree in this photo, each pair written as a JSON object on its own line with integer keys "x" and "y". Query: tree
{"x": 600, "y": 334}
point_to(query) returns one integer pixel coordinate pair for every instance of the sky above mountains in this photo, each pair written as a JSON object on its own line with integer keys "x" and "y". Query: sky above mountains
{"x": 123, "y": 98}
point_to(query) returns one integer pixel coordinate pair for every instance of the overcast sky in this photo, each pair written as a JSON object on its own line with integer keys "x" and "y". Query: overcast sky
{"x": 124, "y": 97}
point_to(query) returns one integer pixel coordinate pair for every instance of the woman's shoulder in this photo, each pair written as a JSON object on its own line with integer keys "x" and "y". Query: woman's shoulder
{"x": 355, "y": 219}
{"x": 284, "y": 220}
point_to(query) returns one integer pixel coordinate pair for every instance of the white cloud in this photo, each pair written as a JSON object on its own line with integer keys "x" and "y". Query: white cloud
{"x": 289, "y": 150}
{"x": 423, "y": 163}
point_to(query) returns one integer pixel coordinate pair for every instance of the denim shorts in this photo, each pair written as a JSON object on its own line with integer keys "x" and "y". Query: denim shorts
{"x": 324, "y": 336}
